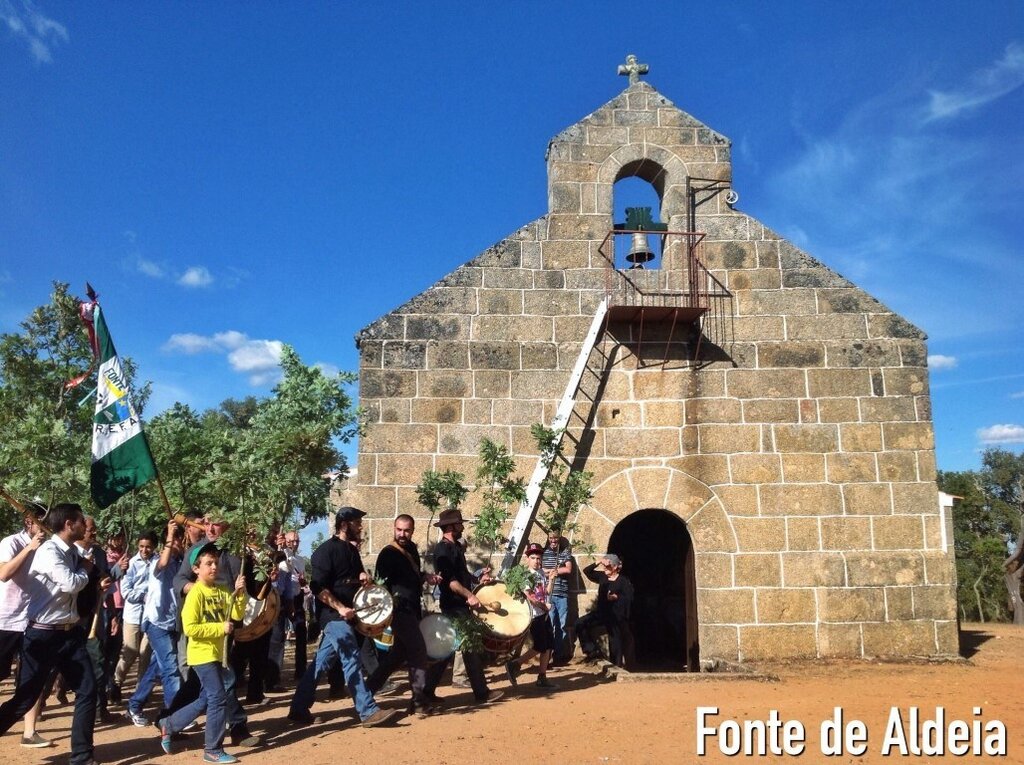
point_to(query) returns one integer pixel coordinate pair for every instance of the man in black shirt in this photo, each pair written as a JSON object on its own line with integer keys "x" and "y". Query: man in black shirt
{"x": 456, "y": 584}
{"x": 398, "y": 565}
{"x": 613, "y": 605}
{"x": 337, "y": 574}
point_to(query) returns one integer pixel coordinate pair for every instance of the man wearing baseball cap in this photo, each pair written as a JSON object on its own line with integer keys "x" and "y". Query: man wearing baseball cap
{"x": 457, "y": 599}
{"x": 337, "y": 573}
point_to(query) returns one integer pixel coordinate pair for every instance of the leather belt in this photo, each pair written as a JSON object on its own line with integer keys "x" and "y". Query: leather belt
{"x": 52, "y": 627}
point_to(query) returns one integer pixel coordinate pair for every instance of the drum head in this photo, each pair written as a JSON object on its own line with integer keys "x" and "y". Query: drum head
{"x": 259, "y": 618}
{"x": 374, "y": 608}
{"x": 504, "y": 615}
{"x": 439, "y": 634}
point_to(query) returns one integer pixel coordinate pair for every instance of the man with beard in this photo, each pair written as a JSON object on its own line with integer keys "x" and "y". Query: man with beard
{"x": 398, "y": 565}
{"x": 457, "y": 598}
{"x": 337, "y": 573}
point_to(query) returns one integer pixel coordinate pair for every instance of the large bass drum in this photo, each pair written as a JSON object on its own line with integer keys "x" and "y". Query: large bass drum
{"x": 374, "y": 608}
{"x": 259, "y": 617}
{"x": 507, "y": 621}
{"x": 439, "y": 635}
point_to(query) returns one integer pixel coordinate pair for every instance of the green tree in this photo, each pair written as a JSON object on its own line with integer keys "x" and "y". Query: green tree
{"x": 986, "y": 521}
{"x": 45, "y": 450}
{"x": 502, "y": 491}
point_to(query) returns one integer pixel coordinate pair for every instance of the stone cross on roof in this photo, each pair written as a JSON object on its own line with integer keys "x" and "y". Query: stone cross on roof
{"x": 633, "y": 69}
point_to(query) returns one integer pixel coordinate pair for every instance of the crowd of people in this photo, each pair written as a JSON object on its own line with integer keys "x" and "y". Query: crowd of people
{"x": 78, "y": 617}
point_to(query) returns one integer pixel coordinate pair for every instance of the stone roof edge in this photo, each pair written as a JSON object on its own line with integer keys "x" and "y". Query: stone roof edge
{"x": 569, "y": 134}
{"x": 801, "y": 269}
{"x": 497, "y": 255}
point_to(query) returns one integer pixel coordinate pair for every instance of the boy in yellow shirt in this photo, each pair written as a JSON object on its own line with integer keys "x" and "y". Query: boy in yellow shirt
{"x": 206, "y": 619}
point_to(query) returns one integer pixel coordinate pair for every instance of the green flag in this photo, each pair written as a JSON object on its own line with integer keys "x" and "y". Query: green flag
{"x": 121, "y": 460}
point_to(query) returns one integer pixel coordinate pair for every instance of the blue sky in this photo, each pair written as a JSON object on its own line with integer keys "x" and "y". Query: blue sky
{"x": 232, "y": 176}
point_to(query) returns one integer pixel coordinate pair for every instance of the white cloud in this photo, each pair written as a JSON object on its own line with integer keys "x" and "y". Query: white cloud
{"x": 256, "y": 356}
{"x": 41, "y": 33}
{"x": 1018, "y": 394}
{"x": 937, "y": 361}
{"x": 259, "y": 359}
{"x": 191, "y": 344}
{"x": 196, "y": 276}
{"x": 149, "y": 268}
{"x": 329, "y": 370}
{"x": 982, "y": 86}
{"x": 1002, "y": 434}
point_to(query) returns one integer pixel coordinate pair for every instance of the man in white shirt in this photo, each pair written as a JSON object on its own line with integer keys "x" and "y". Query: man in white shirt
{"x": 134, "y": 588}
{"x": 54, "y": 637}
{"x": 16, "y": 553}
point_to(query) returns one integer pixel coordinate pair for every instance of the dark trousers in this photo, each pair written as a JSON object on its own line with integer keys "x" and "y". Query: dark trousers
{"x": 10, "y": 647}
{"x": 591, "y": 624}
{"x": 97, "y": 654}
{"x": 42, "y": 651}
{"x": 256, "y": 655}
{"x": 299, "y": 625}
{"x": 408, "y": 647}
{"x": 475, "y": 664}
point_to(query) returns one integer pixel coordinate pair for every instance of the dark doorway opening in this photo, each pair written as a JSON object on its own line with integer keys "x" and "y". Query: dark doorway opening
{"x": 657, "y": 556}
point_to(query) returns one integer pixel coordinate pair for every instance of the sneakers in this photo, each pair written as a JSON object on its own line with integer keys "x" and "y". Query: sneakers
{"x": 490, "y": 698}
{"x": 543, "y": 682}
{"x": 379, "y": 717}
{"x": 137, "y": 719}
{"x": 190, "y": 727}
{"x": 304, "y": 718}
{"x": 35, "y": 741}
{"x": 165, "y": 738}
{"x": 513, "y": 672}
{"x": 461, "y": 684}
{"x": 223, "y": 757}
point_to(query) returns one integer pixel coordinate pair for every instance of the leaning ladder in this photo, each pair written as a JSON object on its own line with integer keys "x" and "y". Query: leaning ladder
{"x": 528, "y": 508}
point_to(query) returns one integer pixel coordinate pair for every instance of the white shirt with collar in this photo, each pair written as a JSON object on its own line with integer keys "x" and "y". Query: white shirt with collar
{"x": 56, "y": 579}
{"x": 14, "y": 592}
{"x": 134, "y": 587}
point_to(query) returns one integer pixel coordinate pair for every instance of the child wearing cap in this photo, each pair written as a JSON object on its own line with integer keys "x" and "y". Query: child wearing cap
{"x": 206, "y": 618}
{"x": 541, "y": 632}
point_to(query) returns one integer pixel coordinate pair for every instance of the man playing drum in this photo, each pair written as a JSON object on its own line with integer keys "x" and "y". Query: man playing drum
{"x": 398, "y": 565}
{"x": 337, "y": 574}
{"x": 456, "y": 599}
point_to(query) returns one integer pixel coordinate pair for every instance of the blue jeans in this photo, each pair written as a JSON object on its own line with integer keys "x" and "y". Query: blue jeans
{"x": 213, "y": 698}
{"x": 337, "y": 644}
{"x": 559, "y": 616}
{"x": 164, "y": 662}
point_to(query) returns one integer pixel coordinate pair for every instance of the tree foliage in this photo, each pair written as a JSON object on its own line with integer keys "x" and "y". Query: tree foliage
{"x": 259, "y": 463}
{"x": 45, "y": 428}
{"x": 986, "y": 523}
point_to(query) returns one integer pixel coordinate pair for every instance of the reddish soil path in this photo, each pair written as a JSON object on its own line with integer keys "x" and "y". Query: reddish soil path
{"x": 590, "y": 720}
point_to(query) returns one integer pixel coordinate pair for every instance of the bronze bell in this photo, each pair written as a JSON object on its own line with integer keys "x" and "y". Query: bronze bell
{"x": 640, "y": 252}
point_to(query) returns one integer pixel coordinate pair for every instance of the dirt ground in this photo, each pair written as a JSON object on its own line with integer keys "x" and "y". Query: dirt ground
{"x": 589, "y": 719}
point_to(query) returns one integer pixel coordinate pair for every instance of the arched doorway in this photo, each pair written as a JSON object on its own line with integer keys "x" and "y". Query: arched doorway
{"x": 657, "y": 556}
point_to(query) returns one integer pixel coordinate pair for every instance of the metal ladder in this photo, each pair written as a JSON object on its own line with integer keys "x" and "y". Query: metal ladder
{"x": 528, "y": 508}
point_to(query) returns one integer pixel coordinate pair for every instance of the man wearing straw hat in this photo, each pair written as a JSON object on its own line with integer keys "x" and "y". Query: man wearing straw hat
{"x": 457, "y": 599}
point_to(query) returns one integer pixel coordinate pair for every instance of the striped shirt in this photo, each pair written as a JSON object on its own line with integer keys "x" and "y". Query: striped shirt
{"x": 553, "y": 559}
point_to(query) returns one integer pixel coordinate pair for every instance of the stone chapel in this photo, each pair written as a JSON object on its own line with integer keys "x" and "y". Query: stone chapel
{"x": 758, "y": 427}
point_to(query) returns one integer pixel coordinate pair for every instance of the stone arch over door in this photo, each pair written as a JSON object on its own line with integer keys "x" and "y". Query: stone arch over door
{"x": 708, "y": 524}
